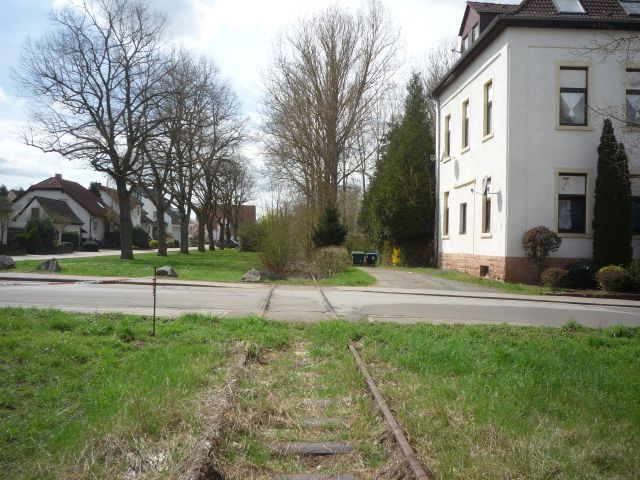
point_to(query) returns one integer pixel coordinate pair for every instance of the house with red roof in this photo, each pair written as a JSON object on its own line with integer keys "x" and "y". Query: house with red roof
{"x": 519, "y": 119}
{"x": 67, "y": 203}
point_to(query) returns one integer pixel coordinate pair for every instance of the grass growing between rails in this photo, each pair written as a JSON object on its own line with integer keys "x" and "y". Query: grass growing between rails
{"x": 227, "y": 265}
{"x": 516, "y": 288}
{"x": 88, "y": 396}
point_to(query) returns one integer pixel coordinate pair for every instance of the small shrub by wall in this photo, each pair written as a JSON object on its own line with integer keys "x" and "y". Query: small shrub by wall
{"x": 554, "y": 278}
{"x": 613, "y": 278}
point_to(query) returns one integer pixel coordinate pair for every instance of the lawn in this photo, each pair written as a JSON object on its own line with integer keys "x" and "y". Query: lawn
{"x": 227, "y": 265}
{"x": 517, "y": 288}
{"x": 80, "y": 392}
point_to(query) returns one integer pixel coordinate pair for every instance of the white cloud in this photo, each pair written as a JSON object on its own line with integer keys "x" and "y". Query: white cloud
{"x": 4, "y": 98}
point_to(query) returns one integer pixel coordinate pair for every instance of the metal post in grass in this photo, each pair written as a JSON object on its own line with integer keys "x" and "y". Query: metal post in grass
{"x": 155, "y": 273}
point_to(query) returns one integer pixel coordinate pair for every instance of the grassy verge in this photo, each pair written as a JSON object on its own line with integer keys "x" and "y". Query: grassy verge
{"x": 220, "y": 266}
{"x": 227, "y": 265}
{"x": 88, "y": 396}
{"x": 517, "y": 288}
{"x": 504, "y": 402}
{"x": 352, "y": 277}
{"x": 82, "y": 395}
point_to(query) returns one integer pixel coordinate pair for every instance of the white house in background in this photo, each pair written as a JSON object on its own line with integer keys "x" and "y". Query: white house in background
{"x": 518, "y": 130}
{"x": 58, "y": 198}
{"x": 171, "y": 219}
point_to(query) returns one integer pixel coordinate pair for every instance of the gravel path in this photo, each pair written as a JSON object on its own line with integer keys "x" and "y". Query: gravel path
{"x": 389, "y": 278}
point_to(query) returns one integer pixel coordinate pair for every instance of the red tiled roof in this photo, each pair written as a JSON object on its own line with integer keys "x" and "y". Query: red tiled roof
{"x": 486, "y": 7}
{"x": 604, "y": 9}
{"x": 87, "y": 199}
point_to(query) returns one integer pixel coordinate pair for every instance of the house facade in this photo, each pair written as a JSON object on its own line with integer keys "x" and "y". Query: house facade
{"x": 65, "y": 202}
{"x": 519, "y": 122}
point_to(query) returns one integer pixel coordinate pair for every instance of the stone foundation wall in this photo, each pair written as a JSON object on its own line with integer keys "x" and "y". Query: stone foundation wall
{"x": 508, "y": 269}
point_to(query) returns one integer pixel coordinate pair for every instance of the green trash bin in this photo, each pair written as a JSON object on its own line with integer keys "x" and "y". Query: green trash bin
{"x": 357, "y": 258}
{"x": 371, "y": 259}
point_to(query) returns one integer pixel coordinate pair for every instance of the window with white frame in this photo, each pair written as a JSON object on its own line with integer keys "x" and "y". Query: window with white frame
{"x": 445, "y": 214}
{"x": 463, "y": 219}
{"x": 475, "y": 32}
{"x": 633, "y": 97}
{"x": 465, "y": 124}
{"x": 488, "y": 108}
{"x": 465, "y": 43}
{"x": 486, "y": 208}
{"x": 573, "y": 96}
{"x": 572, "y": 202}
{"x": 447, "y": 136}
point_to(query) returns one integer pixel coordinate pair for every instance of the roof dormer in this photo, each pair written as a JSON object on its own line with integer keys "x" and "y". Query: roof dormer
{"x": 477, "y": 17}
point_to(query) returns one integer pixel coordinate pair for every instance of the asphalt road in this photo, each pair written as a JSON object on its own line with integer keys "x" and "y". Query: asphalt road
{"x": 309, "y": 303}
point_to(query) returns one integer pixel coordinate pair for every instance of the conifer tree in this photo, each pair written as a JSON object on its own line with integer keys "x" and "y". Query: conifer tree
{"x": 612, "y": 209}
{"x": 330, "y": 230}
{"x": 400, "y": 203}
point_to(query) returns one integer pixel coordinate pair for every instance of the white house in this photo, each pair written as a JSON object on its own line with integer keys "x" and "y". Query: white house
{"x": 171, "y": 220}
{"x": 519, "y": 123}
{"x": 81, "y": 210}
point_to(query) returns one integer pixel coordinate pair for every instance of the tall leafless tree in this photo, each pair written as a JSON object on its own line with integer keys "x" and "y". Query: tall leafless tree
{"x": 326, "y": 77}
{"x": 438, "y": 62}
{"x": 92, "y": 81}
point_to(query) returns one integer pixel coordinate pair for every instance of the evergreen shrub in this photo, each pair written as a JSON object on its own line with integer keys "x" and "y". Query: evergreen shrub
{"x": 613, "y": 278}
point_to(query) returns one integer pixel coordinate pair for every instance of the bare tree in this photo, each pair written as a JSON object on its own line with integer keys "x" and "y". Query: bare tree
{"x": 327, "y": 76}
{"x": 438, "y": 62}
{"x": 92, "y": 82}
{"x": 223, "y": 134}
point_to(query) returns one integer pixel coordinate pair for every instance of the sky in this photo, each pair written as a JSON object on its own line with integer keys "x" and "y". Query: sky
{"x": 236, "y": 34}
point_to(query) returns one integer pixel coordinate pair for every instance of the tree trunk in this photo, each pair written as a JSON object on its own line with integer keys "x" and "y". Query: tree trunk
{"x": 126, "y": 226}
{"x": 184, "y": 232}
{"x": 212, "y": 241}
{"x": 162, "y": 230}
{"x": 221, "y": 239}
{"x": 201, "y": 228}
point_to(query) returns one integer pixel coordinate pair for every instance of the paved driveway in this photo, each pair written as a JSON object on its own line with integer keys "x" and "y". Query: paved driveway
{"x": 391, "y": 278}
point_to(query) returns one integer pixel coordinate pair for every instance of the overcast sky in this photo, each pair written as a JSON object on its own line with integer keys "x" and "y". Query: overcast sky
{"x": 236, "y": 34}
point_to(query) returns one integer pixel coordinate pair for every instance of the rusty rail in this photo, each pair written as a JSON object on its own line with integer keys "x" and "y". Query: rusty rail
{"x": 407, "y": 452}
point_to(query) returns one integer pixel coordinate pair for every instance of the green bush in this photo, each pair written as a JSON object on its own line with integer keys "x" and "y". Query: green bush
{"x": 153, "y": 244}
{"x": 140, "y": 238}
{"x": 581, "y": 275}
{"x": 34, "y": 241}
{"x": 328, "y": 261}
{"x": 633, "y": 270}
{"x": 554, "y": 278}
{"x": 21, "y": 239}
{"x": 46, "y": 233}
{"x": 250, "y": 235}
{"x": 90, "y": 246}
{"x": 613, "y": 278}
{"x": 71, "y": 237}
{"x": 64, "y": 247}
{"x": 538, "y": 243}
{"x": 279, "y": 247}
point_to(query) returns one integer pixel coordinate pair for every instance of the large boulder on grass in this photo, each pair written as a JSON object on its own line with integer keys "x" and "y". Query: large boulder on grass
{"x": 252, "y": 275}
{"x": 166, "y": 272}
{"x": 51, "y": 265}
{"x": 6, "y": 262}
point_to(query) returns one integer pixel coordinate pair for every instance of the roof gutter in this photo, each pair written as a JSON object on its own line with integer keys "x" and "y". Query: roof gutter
{"x": 501, "y": 22}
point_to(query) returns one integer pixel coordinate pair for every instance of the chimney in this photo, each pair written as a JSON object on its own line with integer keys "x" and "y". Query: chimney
{"x": 58, "y": 176}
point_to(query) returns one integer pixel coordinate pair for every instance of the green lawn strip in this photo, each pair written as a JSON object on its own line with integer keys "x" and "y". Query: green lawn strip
{"x": 505, "y": 402}
{"x": 227, "y": 265}
{"x": 80, "y": 391}
{"x": 220, "y": 266}
{"x": 517, "y": 288}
